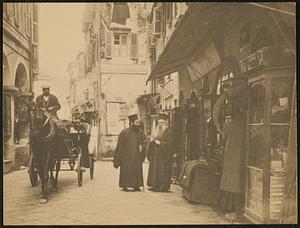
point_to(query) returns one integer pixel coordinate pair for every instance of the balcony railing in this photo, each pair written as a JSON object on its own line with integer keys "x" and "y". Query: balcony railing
{"x": 124, "y": 68}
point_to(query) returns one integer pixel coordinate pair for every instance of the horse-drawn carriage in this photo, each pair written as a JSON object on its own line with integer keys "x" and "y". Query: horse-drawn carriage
{"x": 73, "y": 154}
{"x": 53, "y": 141}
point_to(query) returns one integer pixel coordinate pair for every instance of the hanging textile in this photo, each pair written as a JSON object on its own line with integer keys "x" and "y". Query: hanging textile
{"x": 120, "y": 13}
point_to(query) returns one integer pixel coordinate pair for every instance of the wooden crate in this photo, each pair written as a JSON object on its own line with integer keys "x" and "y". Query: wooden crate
{"x": 255, "y": 179}
{"x": 255, "y": 203}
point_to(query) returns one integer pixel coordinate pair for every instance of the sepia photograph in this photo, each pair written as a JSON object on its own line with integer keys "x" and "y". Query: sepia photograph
{"x": 149, "y": 113}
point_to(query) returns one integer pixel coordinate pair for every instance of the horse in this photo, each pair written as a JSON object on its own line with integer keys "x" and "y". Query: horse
{"x": 45, "y": 142}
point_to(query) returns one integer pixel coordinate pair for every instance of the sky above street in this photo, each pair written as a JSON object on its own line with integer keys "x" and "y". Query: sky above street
{"x": 60, "y": 41}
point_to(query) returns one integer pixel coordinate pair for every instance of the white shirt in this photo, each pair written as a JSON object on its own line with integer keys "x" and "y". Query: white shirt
{"x": 46, "y": 98}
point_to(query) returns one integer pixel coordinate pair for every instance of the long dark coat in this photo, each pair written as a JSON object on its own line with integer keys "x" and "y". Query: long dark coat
{"x": 160, "y": 157}
{"x": 128, "y": 158}
{"x": 234, "y": 157}
{"x": 52, "y": 102}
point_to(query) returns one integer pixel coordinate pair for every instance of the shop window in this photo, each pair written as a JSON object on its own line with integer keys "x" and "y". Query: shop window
{"x": 120, "y": 47}
{"x": 157, "y": 20}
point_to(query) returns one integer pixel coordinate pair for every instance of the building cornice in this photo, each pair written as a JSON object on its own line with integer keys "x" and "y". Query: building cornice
{"x": 18, "y": 37}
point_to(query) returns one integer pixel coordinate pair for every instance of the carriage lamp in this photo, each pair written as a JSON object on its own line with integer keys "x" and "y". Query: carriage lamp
{"x": 174, "y": 169}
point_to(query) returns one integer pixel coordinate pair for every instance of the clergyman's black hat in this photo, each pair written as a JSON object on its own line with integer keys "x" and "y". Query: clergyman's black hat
{"x": 133, "y": 117}
{"x": 163, "y": 116}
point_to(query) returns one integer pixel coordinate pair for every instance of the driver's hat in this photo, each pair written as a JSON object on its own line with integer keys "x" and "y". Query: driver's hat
{"x": 45, "y": 86}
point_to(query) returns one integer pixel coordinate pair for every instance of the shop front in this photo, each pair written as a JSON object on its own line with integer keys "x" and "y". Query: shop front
{"x": 238, "y": 59}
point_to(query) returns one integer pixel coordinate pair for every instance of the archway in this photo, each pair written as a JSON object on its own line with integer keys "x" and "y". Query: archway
{"x": 21, "y": 77}
{"x": 21, "y": 122}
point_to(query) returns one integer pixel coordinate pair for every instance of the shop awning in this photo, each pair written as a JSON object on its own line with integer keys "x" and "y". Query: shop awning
{"x": 185, "y": 40}
{"x": 191, "y": 35}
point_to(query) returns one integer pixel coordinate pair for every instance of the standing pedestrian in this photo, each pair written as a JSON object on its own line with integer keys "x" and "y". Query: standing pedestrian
{"x": 234, "y": 136}
{"x": 131, "y": 142}
{"x": 159, "y": 154}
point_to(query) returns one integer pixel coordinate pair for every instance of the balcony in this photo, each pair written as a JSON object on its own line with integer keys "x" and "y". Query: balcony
{"x": 124, "y": 68}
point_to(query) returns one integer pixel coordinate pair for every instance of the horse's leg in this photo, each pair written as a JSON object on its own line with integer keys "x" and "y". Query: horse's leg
{"x": 46, "y": 167}
{"x": 57, "y": 171}
{"x": 40, "y": 171}
{"x": 52, "y": 165}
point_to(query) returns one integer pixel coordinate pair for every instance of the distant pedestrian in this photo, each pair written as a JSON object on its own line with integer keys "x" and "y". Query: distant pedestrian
{"x": 159, "y": 154}
{"x": 128, "y": 156}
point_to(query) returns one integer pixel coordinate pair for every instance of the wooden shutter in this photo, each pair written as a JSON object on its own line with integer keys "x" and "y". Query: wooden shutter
{"x": 11, "y": 9}
{"x": 89, "y": 57}
{"x": 157, "y": 20}
{"x": 134, "y": 46}
{"x": 108, "y": 44}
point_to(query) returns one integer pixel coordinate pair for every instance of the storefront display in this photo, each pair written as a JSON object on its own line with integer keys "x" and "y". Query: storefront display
{"x": 267, "y": 133}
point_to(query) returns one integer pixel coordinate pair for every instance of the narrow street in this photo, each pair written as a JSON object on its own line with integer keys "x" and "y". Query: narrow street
{"x": 98, "y": 202}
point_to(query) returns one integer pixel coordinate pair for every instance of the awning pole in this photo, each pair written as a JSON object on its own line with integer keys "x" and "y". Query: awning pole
{"x": 274, "y": 9}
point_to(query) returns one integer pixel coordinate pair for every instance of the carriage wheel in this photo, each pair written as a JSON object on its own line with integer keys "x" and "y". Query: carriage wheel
{"x": 91, "y": 166}
{"x": 79, "y": 169}
{"x": 33, "y": 174}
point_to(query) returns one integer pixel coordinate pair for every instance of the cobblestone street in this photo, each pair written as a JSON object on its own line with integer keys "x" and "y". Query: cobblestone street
{"x": 98, "y": 201}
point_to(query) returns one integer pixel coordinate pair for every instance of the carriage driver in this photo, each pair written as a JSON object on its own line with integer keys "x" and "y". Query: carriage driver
{"x": 48, "y": 102}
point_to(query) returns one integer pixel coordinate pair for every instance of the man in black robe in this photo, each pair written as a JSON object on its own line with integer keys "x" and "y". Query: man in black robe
{"x": 131, "y": 142}
{"x": 160, "y": 154}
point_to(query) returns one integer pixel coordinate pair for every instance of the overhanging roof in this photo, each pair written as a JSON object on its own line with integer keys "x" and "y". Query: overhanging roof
{"x": 183, "y": 43}
{"x": 192, "y": 33}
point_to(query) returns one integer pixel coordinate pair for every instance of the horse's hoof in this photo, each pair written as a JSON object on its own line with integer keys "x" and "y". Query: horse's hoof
{"x": 43, "y": 201}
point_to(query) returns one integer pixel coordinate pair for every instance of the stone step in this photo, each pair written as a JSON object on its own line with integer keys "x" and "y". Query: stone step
{"x": 7, "y": 166}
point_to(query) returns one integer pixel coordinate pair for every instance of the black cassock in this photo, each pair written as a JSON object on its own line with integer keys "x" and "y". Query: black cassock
{"x": 129, "y": 158}
{"x": 160, "y": 157}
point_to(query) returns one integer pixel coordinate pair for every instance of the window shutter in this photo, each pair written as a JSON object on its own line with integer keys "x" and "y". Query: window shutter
{"x": 90, "y": 56}
{"x": 97, "y": 49}
{"x": 108, "y": 44}
{"x": 134, "y": 46}
{"x": 11, "y": 9}
{"x": 157, "y": 20}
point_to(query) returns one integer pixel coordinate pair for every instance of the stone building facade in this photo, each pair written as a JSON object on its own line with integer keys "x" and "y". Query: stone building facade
{"x": 20, "y": 68}
{"x": 115, "y": 67}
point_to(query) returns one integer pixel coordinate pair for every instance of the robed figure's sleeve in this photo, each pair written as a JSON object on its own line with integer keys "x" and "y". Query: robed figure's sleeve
{"x": 118, "y": 152}
{"x": 166, "y": 145}
{"x": 144, "y": 146}
{"x": 149, "y": 148}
